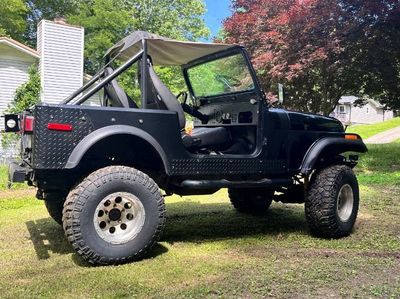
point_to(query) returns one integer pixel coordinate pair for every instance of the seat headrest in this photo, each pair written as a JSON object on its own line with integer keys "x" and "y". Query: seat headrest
{"x": 166, "y": 96}
{"x": 116, "y": 94}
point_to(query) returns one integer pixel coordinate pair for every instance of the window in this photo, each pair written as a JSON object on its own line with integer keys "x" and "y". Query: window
{"x": 367, "y": 110}
{"x": 342, "y": 109}
{"x": 221, "y": 76}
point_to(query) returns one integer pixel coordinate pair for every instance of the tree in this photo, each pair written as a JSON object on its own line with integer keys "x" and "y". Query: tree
{"x": 105, "y": 22}
{"x": 48, "y": 10}
{"x": 28, "y": 94}
{"x": 320, "y": 49}
{"x": 19, "y": 18}
{"x": 376, "y": 54}
{"x": 12, "y": 19}
{"x": 108, "y": 21}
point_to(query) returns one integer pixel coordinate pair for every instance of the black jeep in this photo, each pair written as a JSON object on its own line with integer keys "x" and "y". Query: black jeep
{"x": 100, "y": 169}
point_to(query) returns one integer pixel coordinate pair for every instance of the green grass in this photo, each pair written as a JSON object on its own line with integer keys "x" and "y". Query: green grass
{"x": 209, "y": 250}
{"x": 366, "y": 131}
{"x": 3, "y": 177}
{"x": 380, "y": 165}
{"x": 4, "y": 180}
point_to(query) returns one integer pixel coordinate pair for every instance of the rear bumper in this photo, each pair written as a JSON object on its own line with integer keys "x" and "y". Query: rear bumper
{"x": 18, "y": 172}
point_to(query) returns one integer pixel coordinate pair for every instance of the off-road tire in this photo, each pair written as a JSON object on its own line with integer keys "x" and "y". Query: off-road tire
{"x": 55, "y": 209}
{"x": 81, "y": 204}
{"x": 254, "y": 201}
{"x": 321, "y": 203}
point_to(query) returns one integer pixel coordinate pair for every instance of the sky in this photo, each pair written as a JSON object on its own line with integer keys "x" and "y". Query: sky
{"x": 217, "y": 11}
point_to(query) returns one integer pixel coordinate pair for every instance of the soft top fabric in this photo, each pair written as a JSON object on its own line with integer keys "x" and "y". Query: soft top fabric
{"x": 163, "y": 51}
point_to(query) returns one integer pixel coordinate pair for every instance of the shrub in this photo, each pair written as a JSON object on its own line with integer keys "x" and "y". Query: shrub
{"x": 27, "y": 95}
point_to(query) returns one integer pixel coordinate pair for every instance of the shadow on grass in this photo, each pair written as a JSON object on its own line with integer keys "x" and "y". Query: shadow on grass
{"x": 186, "y": 221}
{"x": 47, "y": 236}
{"x": 196, "y": 222}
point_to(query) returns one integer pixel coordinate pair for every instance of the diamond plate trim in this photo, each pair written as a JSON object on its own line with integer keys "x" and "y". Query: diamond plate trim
{"x": 210, "y": 166}
{"x": 51, "y": 149}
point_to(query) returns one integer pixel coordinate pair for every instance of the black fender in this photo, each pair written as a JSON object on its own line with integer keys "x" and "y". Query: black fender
{"x": 86, "y": 143}
{"x": 331, "y": 145}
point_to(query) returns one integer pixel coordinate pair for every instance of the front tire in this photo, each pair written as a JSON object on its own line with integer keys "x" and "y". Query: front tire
{"x": 332, "y": 202}
{"x": 115, "y": 215}
{"x": 254, "y": 201}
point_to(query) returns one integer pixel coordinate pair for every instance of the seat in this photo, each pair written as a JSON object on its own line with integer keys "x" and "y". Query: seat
{"x": 200, "y": 137}
{"x": 166, "y": 100}
{"x": 212, "y": 138}
{"x": 115, "y": 94}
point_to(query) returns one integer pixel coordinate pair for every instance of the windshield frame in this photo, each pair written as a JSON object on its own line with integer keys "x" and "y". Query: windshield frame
{"x": 219, "y": 55}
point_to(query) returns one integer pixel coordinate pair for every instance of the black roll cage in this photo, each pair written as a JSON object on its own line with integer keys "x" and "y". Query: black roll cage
{"x": 142, "y": 54}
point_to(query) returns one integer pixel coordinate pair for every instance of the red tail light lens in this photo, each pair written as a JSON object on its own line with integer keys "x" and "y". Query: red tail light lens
{"x": 59, "y": 127}
{"x": 27, "y": 122}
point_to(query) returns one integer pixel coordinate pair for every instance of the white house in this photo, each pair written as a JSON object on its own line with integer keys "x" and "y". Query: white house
{"x": 60, "y": 47}
{"x": 59, "y": 56}
{"x": 15, "y": 60}
{"x": 372, "y": 112}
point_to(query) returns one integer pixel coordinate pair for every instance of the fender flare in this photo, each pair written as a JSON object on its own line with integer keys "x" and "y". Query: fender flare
{"x": 86, "y": 143}
{"x": 335, "y": 145}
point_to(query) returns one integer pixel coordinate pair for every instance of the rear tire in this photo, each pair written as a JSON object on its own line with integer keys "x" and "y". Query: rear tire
{"x": 332, "y": 201}
{"x": 251, "y": 200}
{"x": 115, "y": 215}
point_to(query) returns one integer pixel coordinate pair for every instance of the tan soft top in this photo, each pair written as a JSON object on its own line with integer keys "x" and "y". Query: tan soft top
{"x": 163, "y": 51}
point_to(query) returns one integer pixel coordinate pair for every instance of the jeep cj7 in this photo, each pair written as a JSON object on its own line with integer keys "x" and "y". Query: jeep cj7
{"x": 99, "y": 169}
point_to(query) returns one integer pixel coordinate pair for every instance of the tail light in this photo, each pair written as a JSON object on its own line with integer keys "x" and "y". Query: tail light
{"x": 59, "y": 127}
{"x": 27, "y": 124}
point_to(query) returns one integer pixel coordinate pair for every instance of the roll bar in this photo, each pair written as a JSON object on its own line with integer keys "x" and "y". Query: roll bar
{"x": 106, "y": 80}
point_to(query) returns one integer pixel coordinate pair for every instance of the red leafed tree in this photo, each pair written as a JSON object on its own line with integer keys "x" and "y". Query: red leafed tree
{"x": 321, "y": 50}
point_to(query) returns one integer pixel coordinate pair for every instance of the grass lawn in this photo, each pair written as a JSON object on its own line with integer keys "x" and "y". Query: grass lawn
{"x": 366, "y": 131}
{"x": 209, "y": 250}
{"x": 4, "y": 180}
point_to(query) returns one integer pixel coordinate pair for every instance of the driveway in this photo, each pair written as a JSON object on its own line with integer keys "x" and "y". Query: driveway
{"x": 385, "y": 137}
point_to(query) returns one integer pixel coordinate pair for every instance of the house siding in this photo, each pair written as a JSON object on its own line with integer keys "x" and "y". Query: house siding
{"x": 13, "y": 73}
{"x": 367, "y": 114}
{"x": 61, "y": 60}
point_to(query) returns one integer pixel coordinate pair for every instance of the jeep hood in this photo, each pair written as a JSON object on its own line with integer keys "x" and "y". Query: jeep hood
{"x": 314, "y": 122}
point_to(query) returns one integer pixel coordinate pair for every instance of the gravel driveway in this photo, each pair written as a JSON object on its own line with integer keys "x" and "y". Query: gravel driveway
{"x": 385, "y": 137}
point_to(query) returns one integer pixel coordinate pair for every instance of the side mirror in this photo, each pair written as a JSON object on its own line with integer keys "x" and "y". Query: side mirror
{"x": 280, "y": 93}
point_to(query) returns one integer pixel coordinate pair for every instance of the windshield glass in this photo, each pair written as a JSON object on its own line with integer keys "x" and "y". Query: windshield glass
{"x": 221, "y": 76}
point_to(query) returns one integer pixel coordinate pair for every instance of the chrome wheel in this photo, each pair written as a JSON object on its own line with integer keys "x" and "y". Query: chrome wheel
{"x": 345, "y": 202}
{"x": 119, "y": 217}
